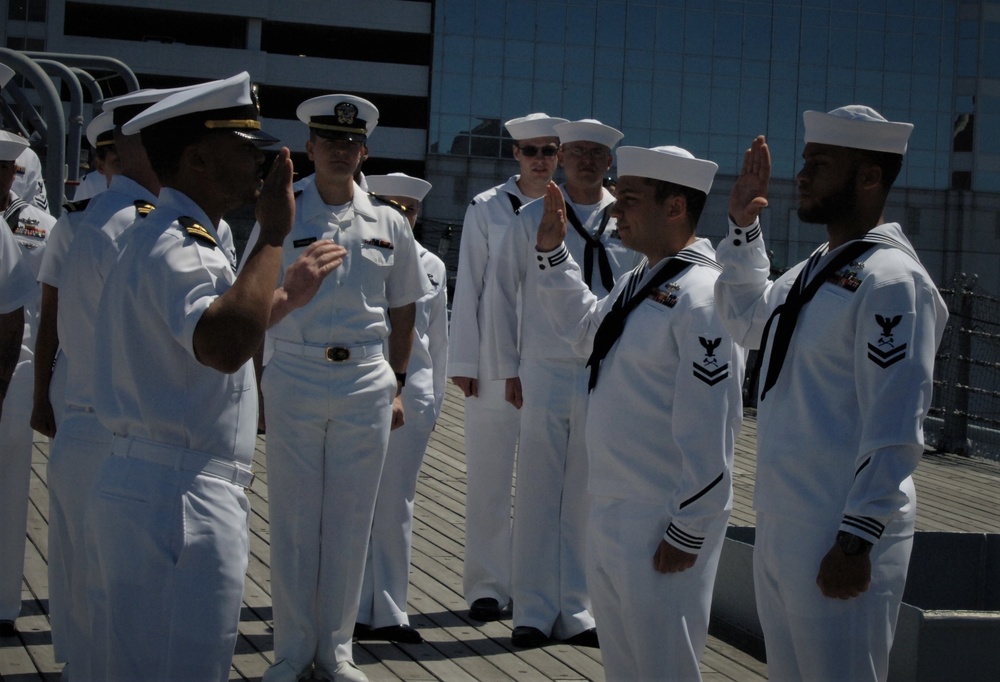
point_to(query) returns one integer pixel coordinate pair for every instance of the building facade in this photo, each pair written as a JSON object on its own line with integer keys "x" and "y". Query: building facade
{"x": 708, "y": 75}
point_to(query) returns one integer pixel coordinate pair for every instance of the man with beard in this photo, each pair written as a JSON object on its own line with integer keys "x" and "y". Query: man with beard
{"x": 166, "y": 520}
{"x": 491, "y": 423}
{"x": 848, "y": 340}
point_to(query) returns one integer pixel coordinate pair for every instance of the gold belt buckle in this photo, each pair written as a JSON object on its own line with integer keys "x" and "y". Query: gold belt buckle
{"x": 337, "y": 354}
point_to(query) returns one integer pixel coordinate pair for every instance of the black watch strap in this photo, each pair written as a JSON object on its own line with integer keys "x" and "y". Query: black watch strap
{"x": 852, "y": 545}
{"x": 401, "y": 378}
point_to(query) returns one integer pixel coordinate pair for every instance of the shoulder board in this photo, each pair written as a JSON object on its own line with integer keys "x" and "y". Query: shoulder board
{"x": 472, "y": 203}
{"x": 196, "y": 230}
{"x": 75, "y": 206}
{"x": 143, "y": 208}
{"x": 391, "y": 202}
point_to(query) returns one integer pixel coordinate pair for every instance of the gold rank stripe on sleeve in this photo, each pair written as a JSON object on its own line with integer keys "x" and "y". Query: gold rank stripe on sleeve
{"x": 144, "y": 208}
{"x": 196, "y": 230}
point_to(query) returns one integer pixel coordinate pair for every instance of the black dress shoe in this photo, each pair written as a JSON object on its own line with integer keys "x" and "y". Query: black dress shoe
{"x": 395, "y": 633}
{"x": 486, "y": 609}
{"x": 7, "y": 628}
{"x": 585, "y": 638}
{"x": 527, "y": 637}
{"x": 361, "y": 630}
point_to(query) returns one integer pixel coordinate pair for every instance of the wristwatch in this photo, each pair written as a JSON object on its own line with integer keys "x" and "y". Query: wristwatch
{"x": 401, "y": 378}
{"x": 852, "y": 545}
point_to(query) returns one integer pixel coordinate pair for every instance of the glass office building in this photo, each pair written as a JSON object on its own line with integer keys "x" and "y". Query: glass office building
{"x": 709, "y": 75}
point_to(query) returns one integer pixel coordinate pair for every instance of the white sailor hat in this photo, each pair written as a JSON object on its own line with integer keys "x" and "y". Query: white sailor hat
{"x": 101, "y": 130}
{"x": 6, "y": 73}
{"x": 227, "y": 105}
{"x": 858, "y": 127}
{"x": 398, "y": 185}
{"x": 533, "y": 125}
{"x": 588, "y": 130}
{"x": 339, "y": 117}
{"x": 125, "y": 107}
{"x": 11, "y": 146}
{"x": 671, "y": 164}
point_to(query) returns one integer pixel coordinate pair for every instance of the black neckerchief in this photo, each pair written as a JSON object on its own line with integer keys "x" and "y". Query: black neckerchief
{"x": 593, "y": 243}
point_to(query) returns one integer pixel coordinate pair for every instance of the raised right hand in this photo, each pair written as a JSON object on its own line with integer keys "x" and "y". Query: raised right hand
{"x": 749, "y": 195}
{"x": 276, "y": 201}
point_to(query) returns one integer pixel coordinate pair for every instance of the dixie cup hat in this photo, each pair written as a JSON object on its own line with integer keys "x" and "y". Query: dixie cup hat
{"x": 588, "y": 130}
{"x": 533, "y": 125}
{"x": 671, "y": 164}
{"x": 858, "y": 127}
{"x": 11, "y": 146}
{"x": 398, "y": 185}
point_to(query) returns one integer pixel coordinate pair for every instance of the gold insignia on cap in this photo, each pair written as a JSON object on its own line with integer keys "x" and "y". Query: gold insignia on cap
{"x": 197, "y": 230}
{"x": 234, "y": 123}
{"x": 255, "y": 96}
{"x": 143, "y": 208}
{"x": 346, "y": 113}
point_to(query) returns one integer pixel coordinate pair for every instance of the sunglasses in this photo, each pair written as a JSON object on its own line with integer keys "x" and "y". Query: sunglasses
{"x": 531, "y": 150}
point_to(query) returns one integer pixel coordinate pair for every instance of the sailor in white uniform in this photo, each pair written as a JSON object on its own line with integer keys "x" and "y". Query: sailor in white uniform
{"x": 30, "y": 227}
{"x": 663, "y": 416}
{"x": 82, "y": 443}
{"x": 332, "y": 394}
{"x": 166, "y": 520}
{"x": 491, "y": 423}
{"x": 50, "y": 368}
{"x": 547, "y": 381}
{"x": 848, "y": 339}
{"x": 28, "y": 182}
{"x": 22, "y": 238}
{"x": 382, "y": 610}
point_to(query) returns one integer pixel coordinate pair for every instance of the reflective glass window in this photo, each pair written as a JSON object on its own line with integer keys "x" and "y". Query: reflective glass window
{"x": 641, "y": 26}
{"x": 785, "y": 39}
{"x": 611, "y": 23}
{"x": 459, "y": 17}
{"x": 728, "y": 39}
{"x": 695, "y": 108}
{"x": 756, "y": 37}
{"x": 698, "y": 28}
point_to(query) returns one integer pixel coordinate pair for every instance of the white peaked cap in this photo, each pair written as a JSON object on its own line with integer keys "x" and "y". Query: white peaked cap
{"x": 6, "y": 73}
{"x": 140, "y": 97}
{"x": 226, "y": 105}
{"x": 671, "y": 164}
{"x": 588, "y": 130}
{"x": 398, "y": 185}
{"x": 11, "y": 146}
{"x": 345, "y": 117}
{"x": 101, "y": 124}
{"x": 858, "y": 127}
{"x": 533, "y": 125}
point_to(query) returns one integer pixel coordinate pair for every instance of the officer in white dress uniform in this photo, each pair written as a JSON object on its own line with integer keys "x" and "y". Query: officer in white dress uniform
{"x": 167, "y": 517}
{"x": 491, "y": 423}
{"x": 663, "y": 416}
{"x": 382, "y": 611}
{"x": 332, "y": 395}
{"x": 848, "y": 339}
{"x": 50, "y": 365}
{"x": 30, "y": 227}
{"x": 550, "y": 503}
{"x": 82, "y": 443}
{"x": 24, "y": 230}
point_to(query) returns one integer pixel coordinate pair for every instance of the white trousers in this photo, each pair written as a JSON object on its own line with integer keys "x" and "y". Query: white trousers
{"x": 15, "y": 480}
{"x": 76, "y": 455}
{"x": 551, "y": 500}
{"x": 491, "y": 429}
{"x": 812, "y": 637}
{"x": 653, "y": 626}
{"x": 387, "y": 570}
{"x": 167, "y": 555}
{"x": 327, "y": 432}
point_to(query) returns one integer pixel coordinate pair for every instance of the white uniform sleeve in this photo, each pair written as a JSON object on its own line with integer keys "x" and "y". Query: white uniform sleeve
{"x": 56, "y": 247}
{"x": 407, "y": 282}
{"x": 898, "y": 332}
{"x": 437, "y": 334}
{"x": 742, "y": 292}
{"x": 473, "y": 256}
{"x": 707, "y": 408}
{"x": 17, "y": 285}
{"x": 505, "y": 274}
{"x": 573, "y": 309}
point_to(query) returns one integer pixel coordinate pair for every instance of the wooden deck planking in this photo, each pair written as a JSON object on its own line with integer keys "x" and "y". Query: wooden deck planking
{"x": 955, "y": 494}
